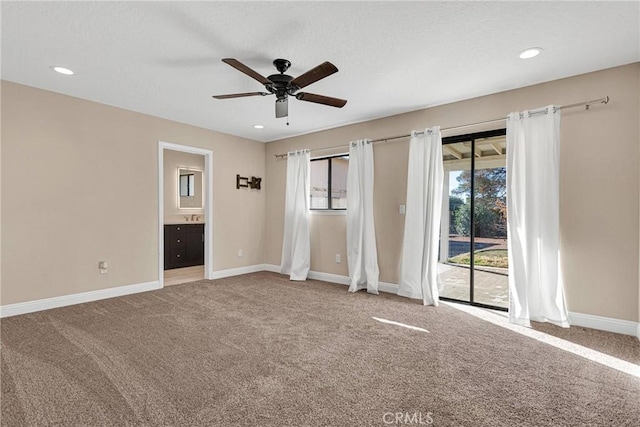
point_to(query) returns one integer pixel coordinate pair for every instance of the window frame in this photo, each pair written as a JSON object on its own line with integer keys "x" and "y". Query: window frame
{"x": 329, "y": 208}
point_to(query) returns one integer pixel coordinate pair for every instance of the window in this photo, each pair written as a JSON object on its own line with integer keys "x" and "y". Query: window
{"x": 329, "y": 183}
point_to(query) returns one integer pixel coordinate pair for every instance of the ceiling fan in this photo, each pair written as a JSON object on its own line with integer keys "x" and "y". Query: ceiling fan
{"x": 282, "y": 85}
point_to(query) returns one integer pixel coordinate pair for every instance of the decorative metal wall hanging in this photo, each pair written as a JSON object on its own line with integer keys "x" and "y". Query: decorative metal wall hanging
{"x": 243, "y": 181}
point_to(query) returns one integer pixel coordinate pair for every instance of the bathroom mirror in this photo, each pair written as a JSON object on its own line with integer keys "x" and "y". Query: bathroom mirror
{"x": 189, "y": 188}
{"x": 187, "y": 184}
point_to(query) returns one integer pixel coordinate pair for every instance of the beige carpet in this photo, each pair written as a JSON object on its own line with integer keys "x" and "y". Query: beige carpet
{"x": 258, "y": 350}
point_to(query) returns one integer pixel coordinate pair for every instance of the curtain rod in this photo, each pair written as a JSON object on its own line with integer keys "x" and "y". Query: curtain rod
{"x": 587, "y": 104}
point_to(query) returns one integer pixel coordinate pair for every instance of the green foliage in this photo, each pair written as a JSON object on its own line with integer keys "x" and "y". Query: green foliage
{"x": 462, "y": 220}
{"x": 489, "y": 203}
{"x": 490, "y": 184}
{"x": 487, "y": 221}
{"x": 454, "y": 204}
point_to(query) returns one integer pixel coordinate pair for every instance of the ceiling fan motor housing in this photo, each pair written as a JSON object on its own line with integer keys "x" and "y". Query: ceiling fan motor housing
{"x": 280, "y": 85}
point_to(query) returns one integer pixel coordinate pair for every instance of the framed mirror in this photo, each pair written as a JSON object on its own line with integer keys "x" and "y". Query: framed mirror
{"x": 189, "y": 188}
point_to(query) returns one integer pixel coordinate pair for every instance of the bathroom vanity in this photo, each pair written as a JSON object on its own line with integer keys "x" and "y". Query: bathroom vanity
{"x": 183, "y": 245}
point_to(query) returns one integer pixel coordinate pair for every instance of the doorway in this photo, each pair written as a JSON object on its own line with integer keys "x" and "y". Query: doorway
{"x": 473, "y": 258}
{"x": 185, "y": 207}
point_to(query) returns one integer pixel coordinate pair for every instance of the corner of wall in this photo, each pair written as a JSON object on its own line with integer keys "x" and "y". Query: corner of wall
{"x": 264, "y": 205}
{"x": 0, "y": 216}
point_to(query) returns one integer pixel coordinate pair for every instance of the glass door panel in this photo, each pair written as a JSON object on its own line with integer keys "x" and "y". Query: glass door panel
{"x": 490, "y": 260}
{"x": 474, "y": 216}
{"x": 454, "y": 274}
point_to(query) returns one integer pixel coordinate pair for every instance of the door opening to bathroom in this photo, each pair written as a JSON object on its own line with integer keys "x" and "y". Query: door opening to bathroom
{"x": 185, "y": 214}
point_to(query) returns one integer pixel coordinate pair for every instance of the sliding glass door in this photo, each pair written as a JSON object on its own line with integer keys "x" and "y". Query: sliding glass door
{"x": 473, "y": 262}
{"x": 454, "y": 274}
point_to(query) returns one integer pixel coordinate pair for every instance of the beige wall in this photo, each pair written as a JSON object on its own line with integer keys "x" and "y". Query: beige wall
{"x": 80, "y": 185}
{"x": 56, "y": 226}
{"x": 0, "y": 200}
{"x": 599, "y": 185}
{"x": 172, "y": 161}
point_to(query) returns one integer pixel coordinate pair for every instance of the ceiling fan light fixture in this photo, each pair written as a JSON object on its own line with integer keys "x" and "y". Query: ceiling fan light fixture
{"x": 258, "y": 126}
{"x": 284, "y": 86}
{"x": 530, "y": 53}
{"x": 62, "y": 70}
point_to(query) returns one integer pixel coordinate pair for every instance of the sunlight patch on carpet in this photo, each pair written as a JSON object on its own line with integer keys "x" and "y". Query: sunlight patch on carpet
{"x": 404, "y": 325}
{"x": 501, "y": 320}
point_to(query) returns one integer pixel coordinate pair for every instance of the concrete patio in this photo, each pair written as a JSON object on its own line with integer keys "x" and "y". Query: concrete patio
{"x": 491, "y": 285}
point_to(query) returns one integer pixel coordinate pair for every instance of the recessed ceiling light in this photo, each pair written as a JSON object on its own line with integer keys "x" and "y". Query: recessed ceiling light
{"x": 530, "y": 53}
{"x": 258, "y": 126}
{"x": 62, "y": 70}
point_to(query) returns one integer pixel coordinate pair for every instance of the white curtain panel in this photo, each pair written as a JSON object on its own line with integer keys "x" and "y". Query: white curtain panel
{"x": 362, "y": 254}
{"x": 535, "y": 278}
{"x": 425, "y": 179}
{"x": 296, "y": 247}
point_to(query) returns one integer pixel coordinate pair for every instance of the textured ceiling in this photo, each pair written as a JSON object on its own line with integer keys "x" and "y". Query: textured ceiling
{"x": 163, "y": 58}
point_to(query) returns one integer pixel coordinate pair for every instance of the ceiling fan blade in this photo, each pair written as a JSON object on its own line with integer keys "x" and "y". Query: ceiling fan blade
{"x": 240, "y": 95}
{"x": 248, "y": 71}
{"x": 282, "y": 107}
{"x": 320, "y": 99}
{"x": 313, "y": 75}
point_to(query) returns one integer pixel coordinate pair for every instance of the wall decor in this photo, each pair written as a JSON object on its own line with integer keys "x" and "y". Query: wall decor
{"x": 243, "y": 181}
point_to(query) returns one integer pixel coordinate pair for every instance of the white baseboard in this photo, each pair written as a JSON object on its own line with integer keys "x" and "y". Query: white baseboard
{"x": 389, "y": 288}
{"x": 602, "y": 323}
{"x": 219, "y": 274}
{"x": 314, "y": 275}
{"x": 328, "y": 277}
{"x": 272, "y": 268}
{"x": 336, "y": 278}
{"x": 79, "y": 298}
{"x": 82, "y": 297}
{"x": 608, "y": 324}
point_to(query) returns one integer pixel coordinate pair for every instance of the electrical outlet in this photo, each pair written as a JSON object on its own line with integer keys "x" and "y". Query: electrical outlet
{"x": 402, "y": 209}
{"x": 103, "y": 267}
{"x": 338, "y": 259}
{"x": 240, "y": 252}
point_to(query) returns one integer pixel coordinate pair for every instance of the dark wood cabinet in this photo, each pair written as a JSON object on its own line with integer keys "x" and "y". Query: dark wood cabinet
{"x": 183, "y": 245}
